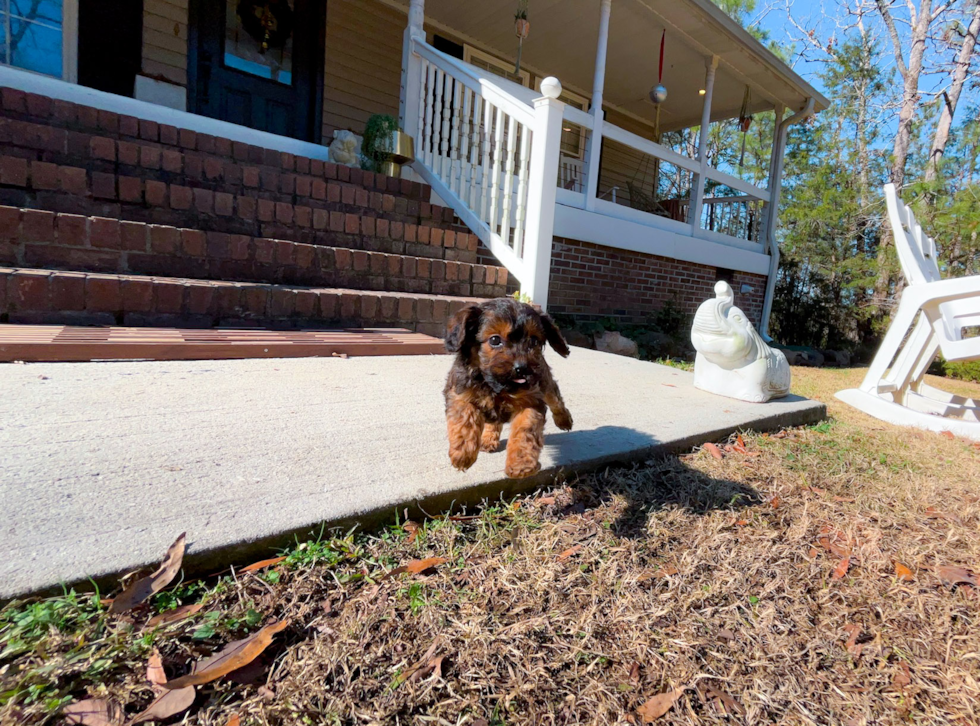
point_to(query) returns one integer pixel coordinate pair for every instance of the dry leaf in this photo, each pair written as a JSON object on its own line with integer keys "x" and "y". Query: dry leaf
{"x": 172, "y": 616}
{"x": 470, "y": 517}
{"x": 903, "y": 677}
{"x": 741, "y": 522}
{"x": 957, "y": 576}
{"x": 848, "y": 500}
{"x": 93, "y": 712}
{"x": 232, "y": 657}
{"x": 234, "y": 720}
{"x": 154, "y": 669}
{"x": 851, "y": 645}
{"x": 817, "y": 490}
{"x": 726, "y": 634}
{"x": 903, "y": 572}
{"x": 739, "y": 443}
{"x": 714, "y": 451}
{"x": 262, "y": 564}
{"x": 138, "y": 591}
{"x": 831, "y": 541}
{"x": 842, "y": 567}
{"x": 731, "y": 706}
{"x": 569, "y": 552}
{"x": 417, "y": 566}
{"x": 775, "y": 502}
{"x": 669, "y": 385}
{"x": 266, "y": 693}
{"x": 169, "y": 704}
{"x": 413, "y": 531}
{"x": 947, "y": 434}
{"x": 429, "y": 663}
{"x": 658, "y": 705}
{"x": 546, "y": 500}
{"x": 635, "y": 672}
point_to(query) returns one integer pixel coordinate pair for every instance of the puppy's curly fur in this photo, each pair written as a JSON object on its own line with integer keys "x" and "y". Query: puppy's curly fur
{"x": 500, "y": 376}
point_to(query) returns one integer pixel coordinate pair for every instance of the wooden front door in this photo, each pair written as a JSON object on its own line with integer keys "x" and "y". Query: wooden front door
{"x": 258, "y": 63}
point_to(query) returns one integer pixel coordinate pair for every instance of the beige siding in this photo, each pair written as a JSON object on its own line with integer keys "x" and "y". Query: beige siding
{"x": 165, "y": 40}
{"x": 362, "y": 75}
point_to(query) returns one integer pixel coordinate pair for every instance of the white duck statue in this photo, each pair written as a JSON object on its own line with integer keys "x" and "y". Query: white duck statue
{"x": 732, "y": 358}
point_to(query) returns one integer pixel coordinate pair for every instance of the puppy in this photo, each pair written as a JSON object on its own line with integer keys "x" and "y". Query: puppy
{"x": 500, "y": 376}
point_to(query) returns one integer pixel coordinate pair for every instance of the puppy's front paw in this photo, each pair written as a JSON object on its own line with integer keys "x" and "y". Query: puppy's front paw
{"x": 490, "y": 441}
{"x": 522, "y": 469}
{"x": 463, "y": 458}
{"x": 563, "y": 419}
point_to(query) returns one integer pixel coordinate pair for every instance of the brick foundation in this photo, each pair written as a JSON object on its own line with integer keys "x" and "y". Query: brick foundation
{"x": 591, "y": 282}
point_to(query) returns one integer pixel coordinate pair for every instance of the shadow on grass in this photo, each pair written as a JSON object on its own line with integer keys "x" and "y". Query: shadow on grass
{"x": 646, "y": 474}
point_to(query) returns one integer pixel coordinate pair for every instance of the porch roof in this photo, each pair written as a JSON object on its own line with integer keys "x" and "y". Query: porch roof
{"x": 563, "y": 38}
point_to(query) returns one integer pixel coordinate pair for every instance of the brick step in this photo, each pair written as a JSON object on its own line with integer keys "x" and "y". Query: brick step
{"x": 74, "y": 298}
{"x": 42, "y": 239}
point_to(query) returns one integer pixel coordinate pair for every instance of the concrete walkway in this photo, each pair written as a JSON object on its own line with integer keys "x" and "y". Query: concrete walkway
{"x": 102, "y": 465}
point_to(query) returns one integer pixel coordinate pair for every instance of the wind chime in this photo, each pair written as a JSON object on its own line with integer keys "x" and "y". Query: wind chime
{"x": 521, "y": 28}
{"x": 658, "y": 94}
{"x": 270, "y": 22}
{"x": 744, "y": 122}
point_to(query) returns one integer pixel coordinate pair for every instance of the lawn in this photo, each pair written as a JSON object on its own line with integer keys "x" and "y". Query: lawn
{"x": 819, "y": 575}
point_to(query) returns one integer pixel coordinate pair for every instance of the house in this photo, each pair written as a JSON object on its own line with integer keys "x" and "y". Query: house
{"x": 166, "y": 161}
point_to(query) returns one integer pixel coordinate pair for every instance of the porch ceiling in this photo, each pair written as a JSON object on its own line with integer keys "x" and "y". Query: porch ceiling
{"x": 563, "y": 39}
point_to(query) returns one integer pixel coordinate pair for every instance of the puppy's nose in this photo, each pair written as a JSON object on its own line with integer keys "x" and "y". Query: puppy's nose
{"x": 521, "y": 370}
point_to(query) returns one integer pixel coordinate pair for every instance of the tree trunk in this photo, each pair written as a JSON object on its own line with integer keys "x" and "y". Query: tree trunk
{"x": 959, "y": 72}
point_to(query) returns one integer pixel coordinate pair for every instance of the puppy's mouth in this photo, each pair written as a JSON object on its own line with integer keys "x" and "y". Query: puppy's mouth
{"x": 519, "y": 381}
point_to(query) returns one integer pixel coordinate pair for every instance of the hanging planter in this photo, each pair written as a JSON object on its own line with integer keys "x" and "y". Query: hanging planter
{"x": 270, "y": 22}
{"x": 521, "y": 29}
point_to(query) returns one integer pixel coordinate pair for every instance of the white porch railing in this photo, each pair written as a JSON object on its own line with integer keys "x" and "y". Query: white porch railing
{"x": 486, "y": 146}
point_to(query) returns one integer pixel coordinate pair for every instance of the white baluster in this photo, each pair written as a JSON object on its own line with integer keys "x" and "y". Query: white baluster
{"x": 463, "y": 186}
{"x": 498, "y": 152}
{"x": 471, "y": 201}
{"x": 437, "y": 123}
{"x": 419, "y": 137}
{"x": 485, "y": 171}
{"x": 508, "y": 181}
{"x": 455, "y": 165}
{"x": 430, "y": 103}
{"x": 521, "y": 211}
{"x": 445, "y": 149}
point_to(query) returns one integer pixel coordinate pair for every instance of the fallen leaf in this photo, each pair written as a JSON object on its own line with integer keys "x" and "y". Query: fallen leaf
{"x": 569, "y": 552}
{"x": 947, "y": 434}
{"x": 172, "y": 616}
{"x": 726, "y": 634}
{"x": 741, "y": 522}
{"x": 93, "y": 712}
{"x": 232, "y": 657}
{"x": 546, "y": 500}
{"x": 669, "y": 385}
{"x": 903, "y": 572}
{"x": 470, "y": 517}
{"x": 169, "y": 704}
{"x": 831, "y": 541}
{"x": 138, "y": 591}
{"x": 849, "y": 500}
{"x": 266, "y": 693}
{"x": 903, "y": 677}
{"x": 261, "y": 564}
{"x": 413, "y": 531}
{"x": 417, "y": 566}
{"x": 731, "y": 706}
{"x": 851, "y": 645}
{"x": 842, "y": 567}
{"x": 635, "y": 672}
{"x": 154, "y": 669}
{"x": 817, "y": 490}
{"x": 428, "y": 663}
{"x": 659, "y": 705}
{"x": 775, "y": 502}
{"x": 714, "y": 451}
{"x": 957, "y": 576}
{"x": 234, "y": 720}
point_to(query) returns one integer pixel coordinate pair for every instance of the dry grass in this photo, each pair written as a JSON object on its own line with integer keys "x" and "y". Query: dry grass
{"x": 575, "y": 606}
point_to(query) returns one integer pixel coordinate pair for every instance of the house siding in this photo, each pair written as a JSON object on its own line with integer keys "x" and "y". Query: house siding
{"x": 165, "y": 40}
{"x": 362, "y": 75}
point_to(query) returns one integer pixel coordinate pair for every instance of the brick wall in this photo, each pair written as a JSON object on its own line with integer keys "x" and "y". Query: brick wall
{"x": 590, "y": 281}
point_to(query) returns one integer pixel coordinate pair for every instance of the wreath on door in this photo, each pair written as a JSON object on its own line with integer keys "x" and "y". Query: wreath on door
{"x": 270, "y": 22}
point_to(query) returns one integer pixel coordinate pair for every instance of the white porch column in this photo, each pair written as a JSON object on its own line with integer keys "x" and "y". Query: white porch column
{"x": 697, "y": 193}
{"x": 541, "y": 192}
{"x": 408, "y": 102}
{"x": 594, "y": 148}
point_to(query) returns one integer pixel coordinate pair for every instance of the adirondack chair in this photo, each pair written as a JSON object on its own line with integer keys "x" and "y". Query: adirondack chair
{"x": 930, "y": 320}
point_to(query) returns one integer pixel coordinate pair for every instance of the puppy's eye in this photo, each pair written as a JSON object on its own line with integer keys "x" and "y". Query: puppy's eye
{"x": 495, "y": 341}
{"x": 534, "y": 343}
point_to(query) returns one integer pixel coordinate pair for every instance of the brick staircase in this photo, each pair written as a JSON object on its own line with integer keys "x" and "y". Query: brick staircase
{"x": 109, "y": 219}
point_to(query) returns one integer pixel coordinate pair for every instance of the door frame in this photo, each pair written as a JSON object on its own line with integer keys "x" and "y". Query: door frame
{"x": 315, "y": 119}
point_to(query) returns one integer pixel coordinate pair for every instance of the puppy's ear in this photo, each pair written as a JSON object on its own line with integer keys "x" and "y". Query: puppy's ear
{"x": 553, "y": 335}
{"x": 462, "y": 328}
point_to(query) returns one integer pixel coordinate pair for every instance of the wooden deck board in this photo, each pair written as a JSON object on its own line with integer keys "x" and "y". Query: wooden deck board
{"x": 59, "y": 343}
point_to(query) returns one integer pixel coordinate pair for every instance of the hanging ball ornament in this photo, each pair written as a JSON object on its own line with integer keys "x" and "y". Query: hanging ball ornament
{"x": 658, "y": 94}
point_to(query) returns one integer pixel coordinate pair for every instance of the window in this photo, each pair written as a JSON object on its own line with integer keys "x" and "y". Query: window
{"x": 496, "y": 66}
{"x": 40, "y": 36}
{"x": 572, "y": 135}
{"x": 245, "y": 53}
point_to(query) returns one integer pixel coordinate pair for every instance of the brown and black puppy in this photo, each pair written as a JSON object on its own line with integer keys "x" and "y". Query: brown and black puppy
{"x": 500, "y": 376}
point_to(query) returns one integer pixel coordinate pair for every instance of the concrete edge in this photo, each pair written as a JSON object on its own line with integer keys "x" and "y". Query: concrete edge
{"x": 212, "y": 561}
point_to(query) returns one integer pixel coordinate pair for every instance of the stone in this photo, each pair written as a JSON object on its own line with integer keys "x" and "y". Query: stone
{"x": 345, "y": 148}
{"x": 732, "y": 358}
{"x": 610, "y": 341}
{"x": 577, "y": 338}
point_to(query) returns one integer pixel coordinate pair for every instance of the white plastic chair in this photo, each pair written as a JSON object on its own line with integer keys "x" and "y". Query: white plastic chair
{"x": 930, "y": 319}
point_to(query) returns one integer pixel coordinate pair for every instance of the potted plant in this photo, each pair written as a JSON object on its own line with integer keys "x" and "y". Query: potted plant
{"x": 385, "y": 147}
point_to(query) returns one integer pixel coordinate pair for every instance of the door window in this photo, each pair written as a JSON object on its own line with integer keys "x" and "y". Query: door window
{"x": 32, "y": 35}
{"x": 259, "y": 38}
